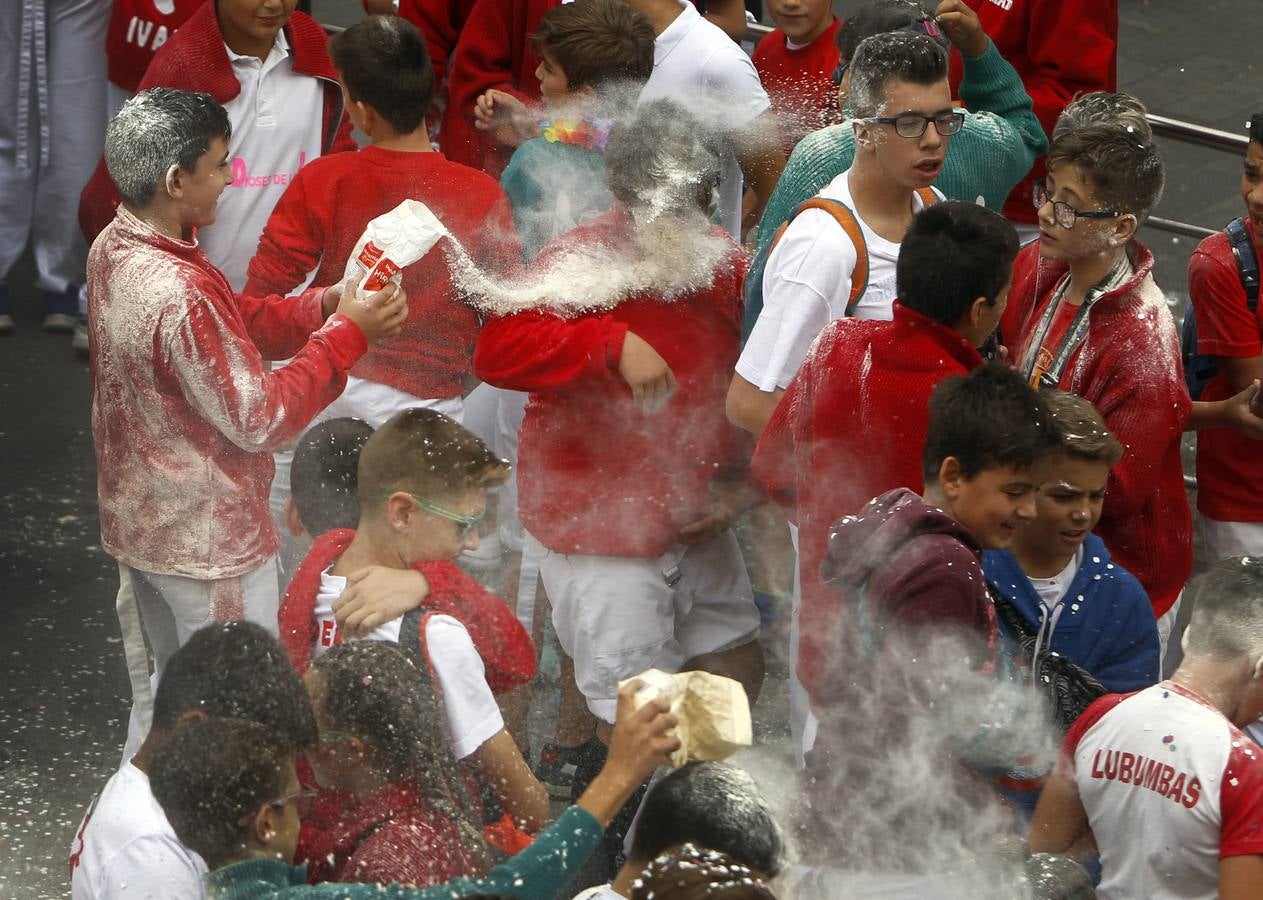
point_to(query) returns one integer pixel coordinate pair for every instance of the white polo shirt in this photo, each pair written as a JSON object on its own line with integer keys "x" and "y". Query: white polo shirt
{"x": 277, "y": 125}
{"x": 125, "y": 849}
{"x": 703, "y": 69}
{"x": 807, "y": 283}
{"x": 1170, "y": 788}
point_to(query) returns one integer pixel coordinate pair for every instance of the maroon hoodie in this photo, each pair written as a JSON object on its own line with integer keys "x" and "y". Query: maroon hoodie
{"x": 900, "y": 562}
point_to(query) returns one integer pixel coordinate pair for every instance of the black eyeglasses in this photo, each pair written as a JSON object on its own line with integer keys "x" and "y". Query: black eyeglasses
{"x": 913, "y": 125}
{"x": 304, "y": 802}
{"x": 1064, "y": 214}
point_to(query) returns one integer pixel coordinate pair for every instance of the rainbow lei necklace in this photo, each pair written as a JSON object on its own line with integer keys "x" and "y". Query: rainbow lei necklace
{"x": 591, "y": 133}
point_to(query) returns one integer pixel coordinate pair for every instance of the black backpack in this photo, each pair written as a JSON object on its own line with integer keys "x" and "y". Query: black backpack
{"x": 1199, "y": 368}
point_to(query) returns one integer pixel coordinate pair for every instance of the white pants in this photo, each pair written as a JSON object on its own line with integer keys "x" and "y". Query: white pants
{"x": 52, "y": 130}
{"x": 1167, "y": 632}
{"x": 803, "y": 723}
{"x": 618, "y": 616}
{"x": 1221, "y": 540}
{"x": 368, "y": 401}
{"x": 165, "y": 610}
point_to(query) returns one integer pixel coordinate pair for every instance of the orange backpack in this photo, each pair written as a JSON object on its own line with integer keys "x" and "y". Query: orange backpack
{"x": 843, "y": 215}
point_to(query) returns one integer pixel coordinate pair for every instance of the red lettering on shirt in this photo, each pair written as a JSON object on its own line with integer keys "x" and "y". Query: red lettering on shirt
{"x": 1192, "y": 793}
{"x": 1141, "y": 771}
{"x": 328, "y": 632}
{"x": 1125, "y": 765}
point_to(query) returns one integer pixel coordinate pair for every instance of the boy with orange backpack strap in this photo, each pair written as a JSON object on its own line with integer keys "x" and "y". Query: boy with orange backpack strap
{"x": 837, "y": 255}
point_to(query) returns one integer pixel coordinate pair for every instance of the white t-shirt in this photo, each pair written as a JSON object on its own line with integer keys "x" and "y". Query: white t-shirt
{"x": 600, "y": 892}
{"x": 807, "y": 283}
{"x": 1170, "y": 788}
{"x": 277, "y": 125}
{"x": 1051, "y": 591}
{"x": 126, "y": 850}
{"x": 470, "y": 709}
{"x": 695, "y": 63}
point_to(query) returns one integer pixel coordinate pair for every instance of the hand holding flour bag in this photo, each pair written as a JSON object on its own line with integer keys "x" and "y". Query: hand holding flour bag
{"x": 391, "y": 242}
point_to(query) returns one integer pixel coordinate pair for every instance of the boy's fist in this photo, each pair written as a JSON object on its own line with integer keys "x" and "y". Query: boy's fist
{"x": 962, "y": 27}
{"x": 378, "y": 315}
{"x": 505, "y": 117}
{"x": 646, "y": 373}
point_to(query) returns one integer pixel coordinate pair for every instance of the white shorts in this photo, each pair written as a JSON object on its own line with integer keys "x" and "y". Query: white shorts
{"x": 1220, "y": 540}
{"x": 617, "y": 617}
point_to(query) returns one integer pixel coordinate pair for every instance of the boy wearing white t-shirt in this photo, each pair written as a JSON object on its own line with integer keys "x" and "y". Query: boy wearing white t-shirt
{"x": 1162, "y": 781}
{"x": 699, "y": 66}
{"x": 839, "y": 259}
{"x": 422, "y": 485}
{"x": 125, "y": 849}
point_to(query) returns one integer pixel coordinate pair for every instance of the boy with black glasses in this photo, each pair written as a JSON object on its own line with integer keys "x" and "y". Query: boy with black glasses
{"x": 838, "y": 258}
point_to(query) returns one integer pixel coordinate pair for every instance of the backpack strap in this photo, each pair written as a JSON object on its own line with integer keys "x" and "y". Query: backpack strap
{"x": 851, "y": 225}
{"x": 927, "y": 195}
{"x": 1247, "y": 260}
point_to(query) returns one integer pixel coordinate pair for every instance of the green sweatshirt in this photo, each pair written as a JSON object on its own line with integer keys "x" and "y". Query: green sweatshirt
{"x": 540, "y": 872}
{"x": 992, "y": 152}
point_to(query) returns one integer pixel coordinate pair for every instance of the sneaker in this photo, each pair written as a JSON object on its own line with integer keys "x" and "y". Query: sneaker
{"x": 79, "y": 340}
{"x": 6, "y": 317}
{"x": 61, "y": 309}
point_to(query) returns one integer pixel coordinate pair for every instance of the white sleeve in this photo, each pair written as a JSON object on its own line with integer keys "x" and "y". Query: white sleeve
{"x": 733, "y": 87}
{"x": 153, "y": 867}
{"x": 806, "y": 284}
{"x": 473, "y": 717}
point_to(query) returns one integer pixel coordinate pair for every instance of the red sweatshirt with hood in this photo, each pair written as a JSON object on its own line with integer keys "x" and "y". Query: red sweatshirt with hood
{"x": 900, "y": 563}
{"x": 138, "y": 29}
{"x": 1128, "y": 365}
{"x": 196, "y": 59}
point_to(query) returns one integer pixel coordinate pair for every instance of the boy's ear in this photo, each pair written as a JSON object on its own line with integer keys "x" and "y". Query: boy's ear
{"x": 950, "y": 477}
{"x": 399, "y": 508}
{"x": 863, "y": 135}
{"x": 293, "y": 522}
{"x": 1125, "y": 227}
{"x": 174, "y": 181}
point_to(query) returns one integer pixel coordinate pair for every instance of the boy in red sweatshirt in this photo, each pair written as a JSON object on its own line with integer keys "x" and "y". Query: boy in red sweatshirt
{"x": 845, "y": 429}
{"x": 268, "y": 66}
{"x": 916, "y": 615}
{"x": 184, "y": 410}
{"x": 630, "y": 476}
{"x": 422, "y": 484}
{"x": 1034, "y": 36}
{"x": 389, "y": 84}
{"x": 796, "y": 62}
{"x": 138, "y": 29}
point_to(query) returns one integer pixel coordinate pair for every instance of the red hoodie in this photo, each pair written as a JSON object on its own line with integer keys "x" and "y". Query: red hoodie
{"x": 1128, "y": 365}
{"x": 596, "y": 475}
{"x": 138, "y": 28}
{"x": 499, "y": 638}
{"x": 851, "y": 426}
{"x": 196, "y": 59}
{"x": 1060, "y": 48}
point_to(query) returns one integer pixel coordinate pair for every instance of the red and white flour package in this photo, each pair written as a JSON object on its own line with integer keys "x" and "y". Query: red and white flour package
{"x": 390, "y": 242}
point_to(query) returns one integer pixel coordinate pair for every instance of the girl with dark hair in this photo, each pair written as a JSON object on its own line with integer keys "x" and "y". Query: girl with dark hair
{"x": 382, "y": 741}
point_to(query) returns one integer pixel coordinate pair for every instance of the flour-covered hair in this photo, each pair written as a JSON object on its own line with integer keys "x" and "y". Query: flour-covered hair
{"x": 156, "y": 130}
{"x": 899, "y": 56}
{"x": 661, "y": 157}
{"x": 1227, "y": 620}
{"x": 1105, "y": 108}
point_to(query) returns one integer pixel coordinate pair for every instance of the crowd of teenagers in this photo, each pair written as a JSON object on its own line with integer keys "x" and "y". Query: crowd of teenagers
{"x": 841, "y": 347}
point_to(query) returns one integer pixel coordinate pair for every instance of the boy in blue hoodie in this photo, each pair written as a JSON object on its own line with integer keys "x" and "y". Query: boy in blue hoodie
{"x": 1058, "y": 583}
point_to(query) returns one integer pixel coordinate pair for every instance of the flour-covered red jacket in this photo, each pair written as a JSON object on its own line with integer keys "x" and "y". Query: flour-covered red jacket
{"x": 595, "y": 474}
{"x": 196, "y": 59}
{"x": 1128, "y": 365}
{"x": 185, "y": 412}
{"x": 850, "y": 427}
{"x": 138, "y": 28}
{"x": 500, "y": 639}
{"x": 1060, "y": 48}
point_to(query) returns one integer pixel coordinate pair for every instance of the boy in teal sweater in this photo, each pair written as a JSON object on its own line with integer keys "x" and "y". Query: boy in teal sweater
{"x": 992, "y": 152}
{"x": 595, "y": 56}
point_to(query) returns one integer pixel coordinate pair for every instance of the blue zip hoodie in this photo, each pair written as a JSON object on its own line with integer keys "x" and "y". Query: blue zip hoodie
{"x": 1106, "y": 623}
